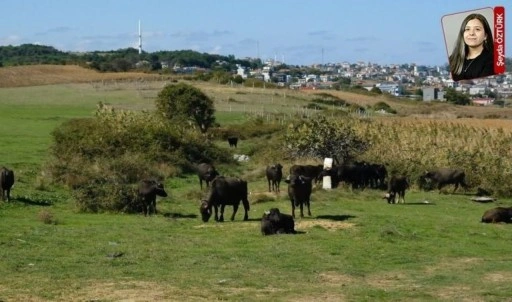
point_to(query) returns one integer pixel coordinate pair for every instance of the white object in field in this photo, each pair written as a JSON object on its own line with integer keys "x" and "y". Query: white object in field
{"x": 327, "y": 163}
{"x": 326, "y": 182}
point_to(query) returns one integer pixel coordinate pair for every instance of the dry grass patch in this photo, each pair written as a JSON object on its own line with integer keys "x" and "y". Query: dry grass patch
{"x": 35, "y": 75}
{"x": 336, "y": 279}
{"x": 126, "y": 291}
{"x": 457, "y": 293}
{"x": 498, "y": 277}
{"x": 390, "y": 281}
{"x": 451, "y": 265}
{"x": 326, "y": 224}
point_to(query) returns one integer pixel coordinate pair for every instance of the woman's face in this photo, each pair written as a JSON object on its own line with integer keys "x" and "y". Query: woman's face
{"x": 474, "y": 33}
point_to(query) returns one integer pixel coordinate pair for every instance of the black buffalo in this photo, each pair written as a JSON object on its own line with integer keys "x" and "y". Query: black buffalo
{"x": 225, "y": 191}
{"x": 311, "y": 171}
{"x": 6, "y": 182}
{"x": 299, "y": 192}
{"x": 148, "y": 191}
{"x": 447, "y": 176}
{"x": 397, "y": 185}
{"x": 233, "y": 141}
{"x": 206, "y": 172}
{"x": 275, "y": 222}
{"x": 499, "y": 214}
{"x": 274, "y": 176}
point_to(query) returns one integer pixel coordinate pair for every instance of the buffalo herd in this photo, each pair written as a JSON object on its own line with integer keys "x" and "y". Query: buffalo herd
{"x": 231, "y": 190}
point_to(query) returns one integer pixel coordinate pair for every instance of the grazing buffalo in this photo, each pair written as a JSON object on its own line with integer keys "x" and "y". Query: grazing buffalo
{"x": 207, "y": 173}
{"x": 274, "y": 176}
{"x": 6, "y": 182}
{"x": 299, "y": 192}
{"x": 311, "y": 171}
{"x": 397, "y": 185}
{"x": 499, "y": 214}
{"x": 275, "y": 222}
{"x": 225, "y": 191}
{"x": 446, "y": 176}
{"x": 148, "y": 191}
{"x": 233, "y": 141}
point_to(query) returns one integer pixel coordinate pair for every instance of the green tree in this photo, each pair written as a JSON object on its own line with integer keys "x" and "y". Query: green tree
{"x": 456, "y": 97}
{"x": 184, "y": 102}
{"x": 320, "y": 138}
{"x": 376, "y": 90}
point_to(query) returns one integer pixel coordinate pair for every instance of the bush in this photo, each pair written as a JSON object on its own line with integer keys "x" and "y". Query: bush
{"x": 101, "y": 158}
{"x": 46, "y": 217}
{"x": 384, "y": 106}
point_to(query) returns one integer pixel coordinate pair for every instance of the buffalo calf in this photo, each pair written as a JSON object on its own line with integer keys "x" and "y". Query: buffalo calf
{"x": 274, "y": 176}
{"x": 275, "y": 222}
{"x": 499, "y": 214}
{"x": 396, "y": 185}
{"x": 206, "y": 172}
{"x": 148, "y": 191}
{"x": 6, "y": 182}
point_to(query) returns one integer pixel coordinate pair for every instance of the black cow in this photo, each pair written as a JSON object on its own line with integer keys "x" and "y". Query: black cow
{"x": 299, "y": 192}
{"x": 275, "y": 222}
{"x": 6, "y": 182}
{"x": 311, "y": 171}
{"x": 397, "y": 185}
{"x": 233, "y": 141}
{"x": 274, "y": 176}
{"x": 148, "y": 191}
{"x": 446, "y": 176}
{"x": 499, "y": 214}
{"x": 379, "y": 174}
{"x": 206, "y": 172}
{"x": 351, "y": 173}
{"x": 225, "y": 191}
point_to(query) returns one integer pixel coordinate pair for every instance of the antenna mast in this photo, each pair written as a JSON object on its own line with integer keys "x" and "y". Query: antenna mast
{"x": 140, "y": 40}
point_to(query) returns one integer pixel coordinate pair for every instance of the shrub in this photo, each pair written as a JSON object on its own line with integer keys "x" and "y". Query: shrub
{"x": 46, "y": 217}
{"x": 100, "y": 158}
{"x": 384, "y": 106}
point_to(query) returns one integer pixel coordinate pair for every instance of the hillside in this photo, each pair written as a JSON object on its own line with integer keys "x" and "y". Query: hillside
{"x": 36, "y": 75}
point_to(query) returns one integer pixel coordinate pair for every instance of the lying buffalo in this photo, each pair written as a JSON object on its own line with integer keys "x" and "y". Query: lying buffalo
{"x": 225, "y": 191}
{"x": 499, "y": 214}
{"x": 6, "y": 182}
{"x": 275, "y": 222}
{"x": 447, "y": 176}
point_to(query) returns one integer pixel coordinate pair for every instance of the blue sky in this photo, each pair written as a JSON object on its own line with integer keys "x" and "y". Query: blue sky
{"x": 301, "y": 32}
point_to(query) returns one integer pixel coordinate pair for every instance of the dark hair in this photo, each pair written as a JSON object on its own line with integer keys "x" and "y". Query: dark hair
{"x": 460, "y": 50}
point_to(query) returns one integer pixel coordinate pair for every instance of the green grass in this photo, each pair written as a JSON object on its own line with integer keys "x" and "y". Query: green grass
{"x": 355, "y": 247}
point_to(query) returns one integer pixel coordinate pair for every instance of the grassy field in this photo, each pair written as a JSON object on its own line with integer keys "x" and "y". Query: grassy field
{"x": 355, "y": 247}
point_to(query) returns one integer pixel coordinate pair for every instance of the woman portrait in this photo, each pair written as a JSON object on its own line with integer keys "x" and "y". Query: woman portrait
{"x": 472, "y": 55}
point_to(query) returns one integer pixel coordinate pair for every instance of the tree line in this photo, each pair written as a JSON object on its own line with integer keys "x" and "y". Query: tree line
{"x": 120, "y": 60}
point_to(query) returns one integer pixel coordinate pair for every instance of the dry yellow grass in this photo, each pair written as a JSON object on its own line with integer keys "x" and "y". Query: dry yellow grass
{"x": 35, "y": 75}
